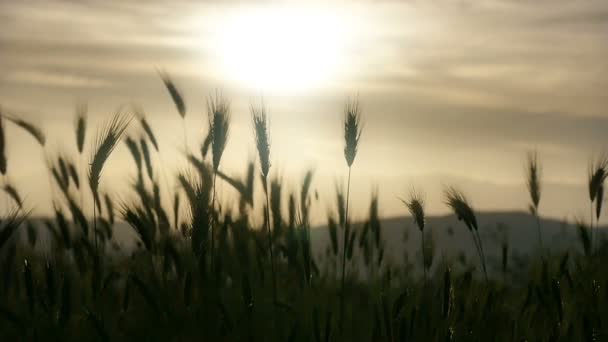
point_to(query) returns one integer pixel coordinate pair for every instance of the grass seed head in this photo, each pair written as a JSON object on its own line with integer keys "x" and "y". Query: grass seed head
{"x": 415, "y": 204}
{"x": 81, "y": 126}
{"x": 147, "y": 158}
{"x": 533, "y": 170}
{"x": 177, "y": 98}
{"x": 105, "y": 142}
{"x": 30, "y": 128}
{"x": 12, "y": 192}
{"x": 352, "y": 130}
{"x": 262, "y": 140}
{"x": 2, "y": 146}
{"x": 134, "y": 150}
{"x": 598, "y": 170}
{"x": 145, "y": 125}
{"x": 459, "y": 204}
{"x": 218, "y": 109}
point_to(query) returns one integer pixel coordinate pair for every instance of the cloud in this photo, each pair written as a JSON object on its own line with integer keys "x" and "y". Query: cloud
{"x": 53, "y": 79}
{"x": 445, "y": 84}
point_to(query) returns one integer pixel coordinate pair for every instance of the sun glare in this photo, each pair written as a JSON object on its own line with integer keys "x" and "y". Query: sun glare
{"x": 282, "y": 49}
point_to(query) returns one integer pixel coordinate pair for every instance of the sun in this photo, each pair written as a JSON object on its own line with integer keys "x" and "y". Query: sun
{"x": 282, "y": 49}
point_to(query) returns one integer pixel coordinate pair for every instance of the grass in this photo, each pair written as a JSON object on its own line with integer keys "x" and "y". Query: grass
{"x": 198, "y": 271}
{"x": 459, "y": 204}
{"x": 3, "y": 162}
{"x": 415, "y": 206}
{"x": 105, "y": 142}
{"x": 259, "y": 119}
{"x": 533, "y": 175}
{"x": 352, "y": 134}
{"x": 218, "y": 110}
{"x": 598, "y": 171}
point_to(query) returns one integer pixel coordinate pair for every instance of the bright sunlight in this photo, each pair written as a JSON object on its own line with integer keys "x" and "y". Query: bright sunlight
{"x": 283, "y": 49}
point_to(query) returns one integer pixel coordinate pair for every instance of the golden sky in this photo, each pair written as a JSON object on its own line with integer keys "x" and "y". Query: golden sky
{"x": 453, "y": 92}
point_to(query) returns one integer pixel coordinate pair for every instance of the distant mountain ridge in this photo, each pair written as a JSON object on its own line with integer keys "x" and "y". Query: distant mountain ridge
{"x": 450, "y": 236}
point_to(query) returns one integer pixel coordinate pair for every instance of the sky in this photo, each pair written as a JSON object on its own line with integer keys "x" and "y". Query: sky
{"x": 452, "y": 92}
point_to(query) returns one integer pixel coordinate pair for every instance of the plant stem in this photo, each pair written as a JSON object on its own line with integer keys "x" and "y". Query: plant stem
{"x": 185, "y": 135}
{"x": 482, "y": 256}
{"x": 540, "y": 239}
{"x": 591, "y": 223}
{"x": 478, "y": 246}
{"x": 423, "y": 258}
{"x": 346, "y": 224}
{"x": 6, "y": 196}
{"x": 267, "y": 212}
{"x": 165, "y": 178}
{"x": 81, "y": 190}
{"x": 213, "y": 223}
{"x": 95, "y": 224}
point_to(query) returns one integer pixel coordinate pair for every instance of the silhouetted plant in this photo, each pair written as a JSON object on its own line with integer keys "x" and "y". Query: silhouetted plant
{"x": 81, "y": 126}
{"x": 415, "y": 205}
{"x": 178, "y": 100}
{"x": 262, "y": 142}
{"x": 459, "y": 204}
{"x": 598, "y": 171}
{"x": 533, "y": 171}
{"x": 11, "y": 190}
{"x": 584, "y": 237}
{"x": 352, "y": 134}
{"x": 218, "y": 110}
{"x": 80, "y": 130}
{"x": 164, "y": 278}
{"x": 29, "y": 127}
{"x": 147, "y": 129}
{"x": 3, "y": 163}
{"x": 107, "y": 139}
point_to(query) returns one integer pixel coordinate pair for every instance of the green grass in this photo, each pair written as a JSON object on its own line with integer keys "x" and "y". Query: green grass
{"x": 212, "y": 275}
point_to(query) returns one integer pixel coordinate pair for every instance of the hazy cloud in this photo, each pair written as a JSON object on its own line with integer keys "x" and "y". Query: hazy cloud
{"x": 461, "y": 87}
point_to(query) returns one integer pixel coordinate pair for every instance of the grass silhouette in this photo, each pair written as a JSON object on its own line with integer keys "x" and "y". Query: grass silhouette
{"x": 200, "y": 271}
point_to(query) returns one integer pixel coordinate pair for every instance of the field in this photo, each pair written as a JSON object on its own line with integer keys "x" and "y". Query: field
{"x": 211, "y": 274}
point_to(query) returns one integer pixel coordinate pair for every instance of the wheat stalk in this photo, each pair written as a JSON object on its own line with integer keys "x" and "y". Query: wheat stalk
{"x": 178, "y": 100}
{"x": 459, "y": 204}
{"x": 415, "y": 205}
{"x": 3, "y": 163}
{"x": 11, "y": 190}
{"x": 533, "y": 171}
{"x": 218, "y": 111}
{"x": 259, "y": 120}
{"x": 29, "y": 127}
{"x": 175, "y": 94}
{"x": 597, "y": 173}
{"x": 107, "y": 139}
{"x": 80, "y": 130}
{"x": 80, "y": 126}
{"x": 145, "y": 125}
{"x": 352, "y": 134}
